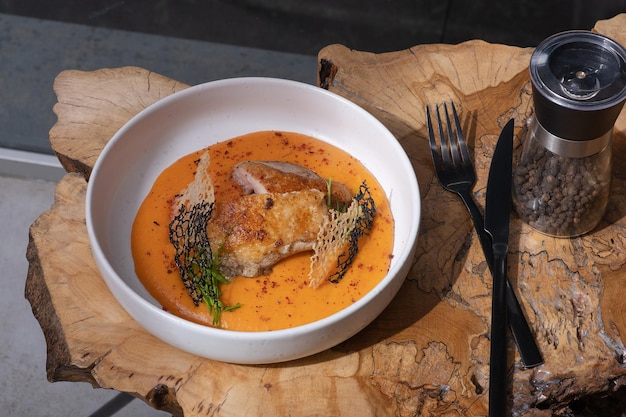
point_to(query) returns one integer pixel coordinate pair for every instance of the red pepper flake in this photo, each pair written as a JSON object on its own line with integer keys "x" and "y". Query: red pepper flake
{"x": 263, "y": 289}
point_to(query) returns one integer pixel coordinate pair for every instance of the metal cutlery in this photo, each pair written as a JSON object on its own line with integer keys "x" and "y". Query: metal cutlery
{"x": 497, "y": 219}
{"x": 456, "y": 174}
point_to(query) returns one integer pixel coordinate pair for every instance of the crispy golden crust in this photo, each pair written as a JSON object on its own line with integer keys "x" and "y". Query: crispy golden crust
{"x": 255, "y": 231}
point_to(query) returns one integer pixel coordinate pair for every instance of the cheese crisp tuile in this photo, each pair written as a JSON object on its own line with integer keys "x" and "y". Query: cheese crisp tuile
{"x": 333, "y": 241}
{"x": 200, "y": 190}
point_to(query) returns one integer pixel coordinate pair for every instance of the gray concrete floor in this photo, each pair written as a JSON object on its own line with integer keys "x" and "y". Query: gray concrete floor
{"x": 24, "y": 389}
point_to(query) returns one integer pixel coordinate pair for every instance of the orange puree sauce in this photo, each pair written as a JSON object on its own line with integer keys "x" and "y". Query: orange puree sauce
{"x": 283, "y": 298}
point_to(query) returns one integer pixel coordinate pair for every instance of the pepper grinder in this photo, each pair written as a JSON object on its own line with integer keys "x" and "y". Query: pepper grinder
{"x": 562, "y": 177}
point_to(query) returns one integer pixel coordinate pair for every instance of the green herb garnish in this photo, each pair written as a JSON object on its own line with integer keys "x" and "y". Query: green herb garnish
{"x": 329, "y": 184}
{"x": 334, "y": 204}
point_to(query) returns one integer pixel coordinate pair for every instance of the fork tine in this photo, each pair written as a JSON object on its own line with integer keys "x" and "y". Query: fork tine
{"x": 445, "y": 144}
{"x": 435, "y": 150}
{"x": 459, "y": 133}
{"x": 452, "y": 140}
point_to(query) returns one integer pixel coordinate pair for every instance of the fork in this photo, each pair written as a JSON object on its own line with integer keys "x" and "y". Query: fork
{"x": 456, "y": 174}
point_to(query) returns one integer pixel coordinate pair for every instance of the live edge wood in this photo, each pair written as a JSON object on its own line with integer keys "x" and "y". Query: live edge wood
{"x": 428, "y": 353}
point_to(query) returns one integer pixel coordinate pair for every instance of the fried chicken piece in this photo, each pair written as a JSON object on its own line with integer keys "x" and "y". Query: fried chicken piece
{"x": 254, "y": 232}
{"x": 275, "y": 176}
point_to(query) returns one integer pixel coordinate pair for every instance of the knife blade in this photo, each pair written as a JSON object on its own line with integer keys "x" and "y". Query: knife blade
{"x": 497, "y": 219}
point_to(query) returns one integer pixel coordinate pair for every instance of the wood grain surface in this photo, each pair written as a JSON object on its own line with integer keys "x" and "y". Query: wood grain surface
{"x": 428, "y": 353}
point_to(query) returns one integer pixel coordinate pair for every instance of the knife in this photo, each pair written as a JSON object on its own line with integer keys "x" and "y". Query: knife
{"x": 524, "y": 338}
{"x": 497, "y": 217}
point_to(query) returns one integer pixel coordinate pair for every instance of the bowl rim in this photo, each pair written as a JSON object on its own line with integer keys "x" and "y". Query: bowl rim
{"x": 207, "y": 331}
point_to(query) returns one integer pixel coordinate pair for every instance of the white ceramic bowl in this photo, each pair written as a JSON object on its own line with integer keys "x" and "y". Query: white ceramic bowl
{"x": 213, "y": 112}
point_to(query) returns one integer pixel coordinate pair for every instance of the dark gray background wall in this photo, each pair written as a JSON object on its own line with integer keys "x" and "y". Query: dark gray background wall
{"x": 303, "y": 26}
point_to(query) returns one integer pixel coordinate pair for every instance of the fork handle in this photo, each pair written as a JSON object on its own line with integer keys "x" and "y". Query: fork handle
{"x": 523, "y": 336}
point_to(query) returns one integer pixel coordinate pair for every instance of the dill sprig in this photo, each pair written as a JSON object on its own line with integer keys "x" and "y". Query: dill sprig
{"x": 329, "y": 188}
{"x": 334, "y": 204}
{"x": 197, "y": 265}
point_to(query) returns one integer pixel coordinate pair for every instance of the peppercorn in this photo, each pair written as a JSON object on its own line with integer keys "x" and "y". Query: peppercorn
{"x": 560, "y": 196}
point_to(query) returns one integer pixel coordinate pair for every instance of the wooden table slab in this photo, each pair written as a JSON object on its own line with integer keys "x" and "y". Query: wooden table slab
{"x": 428, "y": 353}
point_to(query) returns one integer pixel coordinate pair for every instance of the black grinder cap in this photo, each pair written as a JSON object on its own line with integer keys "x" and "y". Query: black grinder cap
{"x": 579, "y": 84}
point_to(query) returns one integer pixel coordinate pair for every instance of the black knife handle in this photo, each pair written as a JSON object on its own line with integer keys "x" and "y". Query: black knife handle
{"x": 498, "y": 363}
{"x": 523, "y": 336}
